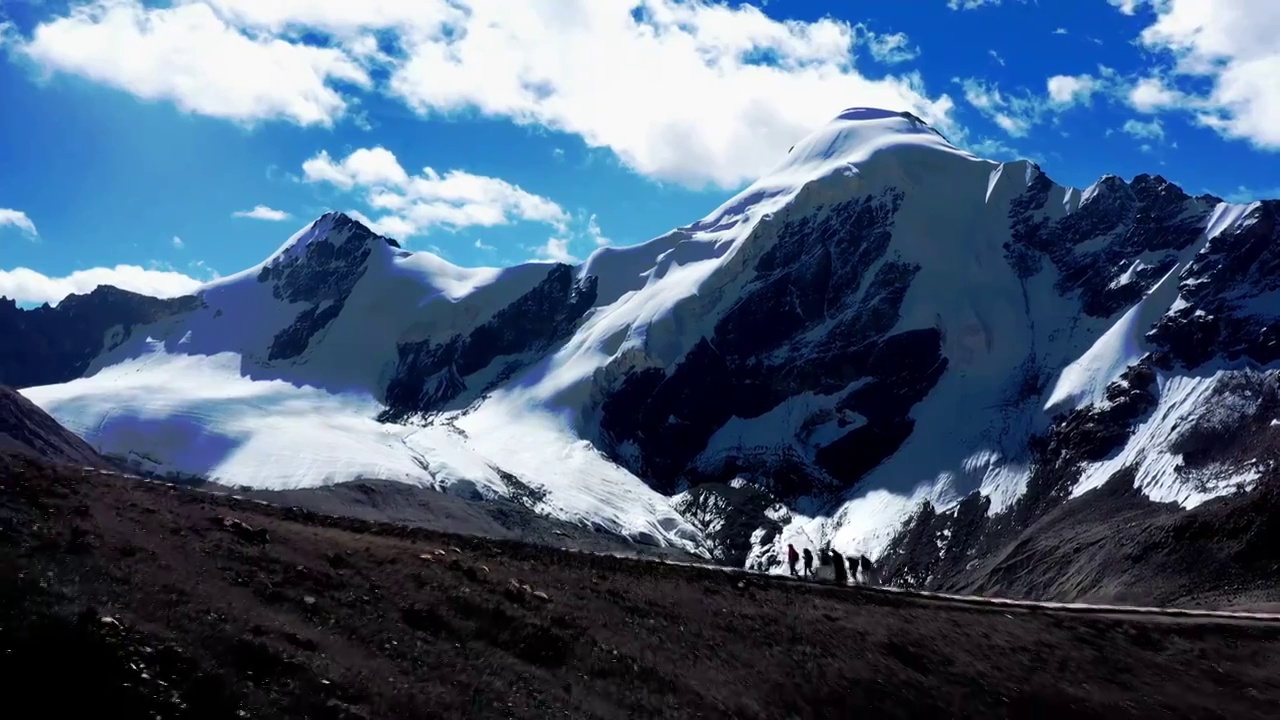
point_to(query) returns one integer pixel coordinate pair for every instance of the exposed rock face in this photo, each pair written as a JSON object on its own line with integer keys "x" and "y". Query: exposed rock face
{"x": 321, "y": 276}
{"x": 1111, "y": 253}
{"x": 1116, "y": 246}
{"x": 1229, "y": 293}
{"x": 934, "y": 547}
{"x": 730, "y": 517}
{"x": 815, "y": 318}
{"x": 48, "y": 345}
{"x": 432, "y": 374}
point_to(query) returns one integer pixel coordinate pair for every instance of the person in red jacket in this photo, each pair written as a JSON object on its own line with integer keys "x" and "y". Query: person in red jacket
{"x": 793, "y": 557}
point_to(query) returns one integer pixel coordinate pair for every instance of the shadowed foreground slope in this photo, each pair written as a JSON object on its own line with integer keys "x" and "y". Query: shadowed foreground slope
{"x": 26, "y": 429}
{"x": 170, "y": 603}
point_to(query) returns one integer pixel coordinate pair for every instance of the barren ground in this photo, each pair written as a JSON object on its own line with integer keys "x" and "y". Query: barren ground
{"x": 160, "y": 602}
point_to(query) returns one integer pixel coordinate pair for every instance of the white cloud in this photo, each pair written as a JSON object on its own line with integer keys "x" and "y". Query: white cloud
{"x": 177, "y": 242}
{"x": 970, "y": 4}
{"x": 888, "y": 48}
{"x": 481, "y": 246}
{"x": 1013, "y": 114}
{"x": 594, "y": 232}
{"x": 1244, "y": 194}
{"x": 262, "y": 212}
{"x": 17, "y": 219}
{"x": 1232, "y": 44}
{"x": 996, "y": 56}
{"x": 691, "y": 91}
{"x": 1070, "y": 89}
{"x": 389, "y": 225}
{"x": 366, "y": 166}
{"x": 679, "y": 91}
{"x": 556, "y": 250}
{"x": 1153, "y": 130}
{"x": 28, "y": 286}
{"x": 993, "y": 149}
{"x": 1127, "y": 7}
{"x": 345, "y": 18}
{"x": 414, "y": 204}
{"x": 190, "y": 56}
{"x": 1151, "y": 94}
{"x": 1061, "y": 31}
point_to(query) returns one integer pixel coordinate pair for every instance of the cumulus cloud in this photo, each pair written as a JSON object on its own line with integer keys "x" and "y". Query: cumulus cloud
{"x": 366, "y": 166}
{"x": 18, "y": 219}
{"x": 28, "y": 286}
{"x": 343, "y": 18}
{"x": 262, "y": 212}
{"x": 1127, "y": 7}
{"x": 177, "y": 242}
{"x": 189, "y": 54}
{"x": 1232, "y": 45}
{"x": 691, "y": 91}
{"x": 412, "y": 204}
{"x": 1150, "y": 94}
{"x": 1071, "y": 89}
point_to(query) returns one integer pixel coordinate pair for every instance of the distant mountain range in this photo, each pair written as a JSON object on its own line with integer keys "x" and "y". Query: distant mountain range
{"x": 886, "y": 344}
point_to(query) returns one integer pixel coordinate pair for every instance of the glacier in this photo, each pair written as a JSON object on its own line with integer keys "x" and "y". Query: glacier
{"x": 344, "y": 356}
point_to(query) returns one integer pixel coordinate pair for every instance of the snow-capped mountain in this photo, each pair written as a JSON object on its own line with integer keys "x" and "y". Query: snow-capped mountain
{"x": 882, "y": 335}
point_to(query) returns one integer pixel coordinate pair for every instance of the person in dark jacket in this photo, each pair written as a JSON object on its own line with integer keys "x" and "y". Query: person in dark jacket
{"x": 792, "y": 558}
{"x": 841, "y": 574}
{"x": 808, "y": 562}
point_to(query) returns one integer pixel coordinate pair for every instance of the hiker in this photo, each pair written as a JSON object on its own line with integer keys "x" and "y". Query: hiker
{"x": 871, "y": 572}
{"x": 841, "y": 574}
{"x": 808, "y": 562}
{"x": 792, "y": 558}
{"x": 853, "y": 569}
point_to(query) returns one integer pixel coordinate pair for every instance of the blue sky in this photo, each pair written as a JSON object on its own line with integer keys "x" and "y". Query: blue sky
{"x": 156, "y": 145}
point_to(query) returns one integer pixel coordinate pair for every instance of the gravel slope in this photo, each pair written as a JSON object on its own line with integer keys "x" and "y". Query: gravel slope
{"x": 163, "y": 602}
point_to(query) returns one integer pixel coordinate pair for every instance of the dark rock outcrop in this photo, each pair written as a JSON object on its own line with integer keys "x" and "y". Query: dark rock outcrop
{"x": 1096, "y": 249}
{"x": 48, "y": 345}
{"x": 322, "y": 275}
{"x": 1230, "y": 298}
{"x": 815, "y": 318}
{"x": 429, "y": 375}
{"x": 934, "y": 548}
{"x": 728, "y": 516}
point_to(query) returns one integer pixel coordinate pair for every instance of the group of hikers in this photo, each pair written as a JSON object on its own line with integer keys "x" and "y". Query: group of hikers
{"x": 841, "y": 568}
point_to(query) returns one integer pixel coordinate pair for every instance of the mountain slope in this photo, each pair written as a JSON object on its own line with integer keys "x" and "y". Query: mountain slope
{"x": 883, "y": 324}
{"x": 25, "y": 429}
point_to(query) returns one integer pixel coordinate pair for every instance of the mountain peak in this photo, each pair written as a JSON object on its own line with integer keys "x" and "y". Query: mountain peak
{"x": 323, "y": 260}
{"x": 338, "y": 220}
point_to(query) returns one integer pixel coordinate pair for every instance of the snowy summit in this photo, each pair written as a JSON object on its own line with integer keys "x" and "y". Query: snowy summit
{"x": 881, "y": 324}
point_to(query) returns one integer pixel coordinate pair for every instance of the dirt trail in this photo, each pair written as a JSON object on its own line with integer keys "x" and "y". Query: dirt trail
{"x": 162, "y": 602}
